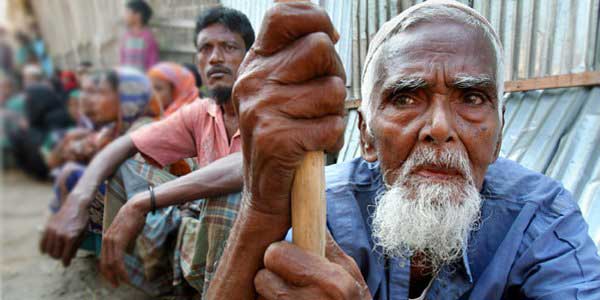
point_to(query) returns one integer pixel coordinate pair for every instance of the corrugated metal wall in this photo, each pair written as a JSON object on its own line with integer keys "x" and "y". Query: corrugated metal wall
{"x": 557, "y": 132}
{"x": 540, "y": 37}
{"x": 545, "y": 37}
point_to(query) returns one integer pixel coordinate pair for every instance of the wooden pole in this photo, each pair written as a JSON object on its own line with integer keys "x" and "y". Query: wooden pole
{"x": 309, "y": 205}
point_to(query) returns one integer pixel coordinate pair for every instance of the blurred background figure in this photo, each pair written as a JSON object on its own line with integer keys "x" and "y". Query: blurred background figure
{"x": 44, "y": 121}
{"x": 40, "y": 50}
{"x": 84, "y": 68}
{"x": 68, "y": 80}
{"x": 173, "y": 86}
{"x": 25, "y": 52}
{"x": 119, "y": 101}
{"x": 139, "y": 48}
{"x": 6, "y": 52}
{"x": 12, "y": 109}
{"x": 32, "y": 75}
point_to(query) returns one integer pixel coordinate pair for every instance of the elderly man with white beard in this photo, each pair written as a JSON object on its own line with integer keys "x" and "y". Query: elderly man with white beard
{"x": 429, "y": 211}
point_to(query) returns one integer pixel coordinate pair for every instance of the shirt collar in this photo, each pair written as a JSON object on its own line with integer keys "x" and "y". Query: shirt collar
{"x": 213, "y": 108}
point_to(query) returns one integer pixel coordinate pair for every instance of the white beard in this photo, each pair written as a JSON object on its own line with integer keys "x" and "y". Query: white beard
{"x": 433, "y": 218}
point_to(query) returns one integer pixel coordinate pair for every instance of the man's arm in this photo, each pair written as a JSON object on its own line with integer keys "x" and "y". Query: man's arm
{"x": 221, "y": 177}
{"x": 65, "y": 229}
{"x": 104, "y": 164}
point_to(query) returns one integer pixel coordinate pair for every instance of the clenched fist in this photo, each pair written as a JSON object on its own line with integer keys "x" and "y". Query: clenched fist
{"x": 290, "y": 97}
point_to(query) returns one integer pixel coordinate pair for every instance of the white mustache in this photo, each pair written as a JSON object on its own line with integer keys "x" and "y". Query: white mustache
{"x": 444, "y": 158}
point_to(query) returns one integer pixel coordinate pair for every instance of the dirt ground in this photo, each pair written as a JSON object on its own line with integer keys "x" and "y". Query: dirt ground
{"x": 24, "y": 272}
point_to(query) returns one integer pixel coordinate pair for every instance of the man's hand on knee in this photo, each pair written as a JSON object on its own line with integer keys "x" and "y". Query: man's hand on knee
{"x": 65, "y": 231}
{"x": 123, "y": 231}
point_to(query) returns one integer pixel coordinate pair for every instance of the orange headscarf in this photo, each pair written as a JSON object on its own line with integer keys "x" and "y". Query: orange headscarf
{"x": 184, "y": 85}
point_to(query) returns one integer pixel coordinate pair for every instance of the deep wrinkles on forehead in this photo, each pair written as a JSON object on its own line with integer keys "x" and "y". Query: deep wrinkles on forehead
{"x": 441, "y": 47}
{"x": 405, "y": 52}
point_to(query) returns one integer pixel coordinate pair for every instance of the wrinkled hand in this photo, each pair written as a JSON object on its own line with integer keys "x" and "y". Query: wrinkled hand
{"x": 292, "y": 273}
{"x": 64, "y": 231}
{"x": 126, "y": 226}
{"x": 290, "y": 100}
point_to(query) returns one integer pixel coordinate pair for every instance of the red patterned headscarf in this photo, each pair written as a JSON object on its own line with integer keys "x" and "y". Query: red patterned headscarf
{"x": 184, "y": 84}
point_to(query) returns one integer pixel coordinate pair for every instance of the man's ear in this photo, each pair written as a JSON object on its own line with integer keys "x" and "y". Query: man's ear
{"x": 499, "y": 142}
{"x": 367, "y": 143}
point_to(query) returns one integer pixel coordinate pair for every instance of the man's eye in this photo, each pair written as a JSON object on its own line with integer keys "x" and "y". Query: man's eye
{"x": 473, "y": 99}
{"x": 204, "y": 49}
{"x": 404, "y": 100}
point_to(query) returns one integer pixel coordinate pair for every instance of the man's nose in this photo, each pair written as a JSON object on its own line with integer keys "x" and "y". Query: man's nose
{"x": 216, "y": 56}
{"x": 439, "y": 127}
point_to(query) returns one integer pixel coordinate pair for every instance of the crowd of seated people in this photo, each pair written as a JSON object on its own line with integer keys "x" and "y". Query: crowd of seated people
{"x": 148, "y": 165}
{"x": 111, "y": 137}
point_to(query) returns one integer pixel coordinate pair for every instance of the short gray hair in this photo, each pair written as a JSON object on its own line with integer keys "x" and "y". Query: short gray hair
{"x": 427, "y": 11}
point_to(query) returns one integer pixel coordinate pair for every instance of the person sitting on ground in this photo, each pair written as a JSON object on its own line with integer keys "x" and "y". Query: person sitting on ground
{"x": 87, "y": 88}
{"x": 74, "y": 141}
{"x": 138, "y": 48}
{"x": 178, "y": 245}
{"x": 74, "y": 106}
{"x": 12, "y": 110}
{"x": 45, "y": 120}
{"x": 63, "y": 152}
{"x": 120, "y": 102}
{"x": 429, "y": 211}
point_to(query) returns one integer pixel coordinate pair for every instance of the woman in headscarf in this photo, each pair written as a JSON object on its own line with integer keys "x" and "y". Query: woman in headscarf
{"x": 119, "y": 103}
{"x": 173, "y": 85}
{"x": 46, "y": 118}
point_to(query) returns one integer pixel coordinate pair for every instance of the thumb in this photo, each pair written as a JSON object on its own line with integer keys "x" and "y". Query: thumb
{"x": 336, "y": 255}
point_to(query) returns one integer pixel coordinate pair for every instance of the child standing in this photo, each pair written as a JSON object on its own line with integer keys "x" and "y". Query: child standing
{"x": 138, "y": 48}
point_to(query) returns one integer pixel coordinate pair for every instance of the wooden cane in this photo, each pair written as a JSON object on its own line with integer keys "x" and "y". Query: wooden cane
{"x": 308, "y": 204}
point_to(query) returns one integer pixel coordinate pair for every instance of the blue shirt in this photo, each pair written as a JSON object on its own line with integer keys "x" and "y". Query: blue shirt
{"x": 532, "y": 242}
